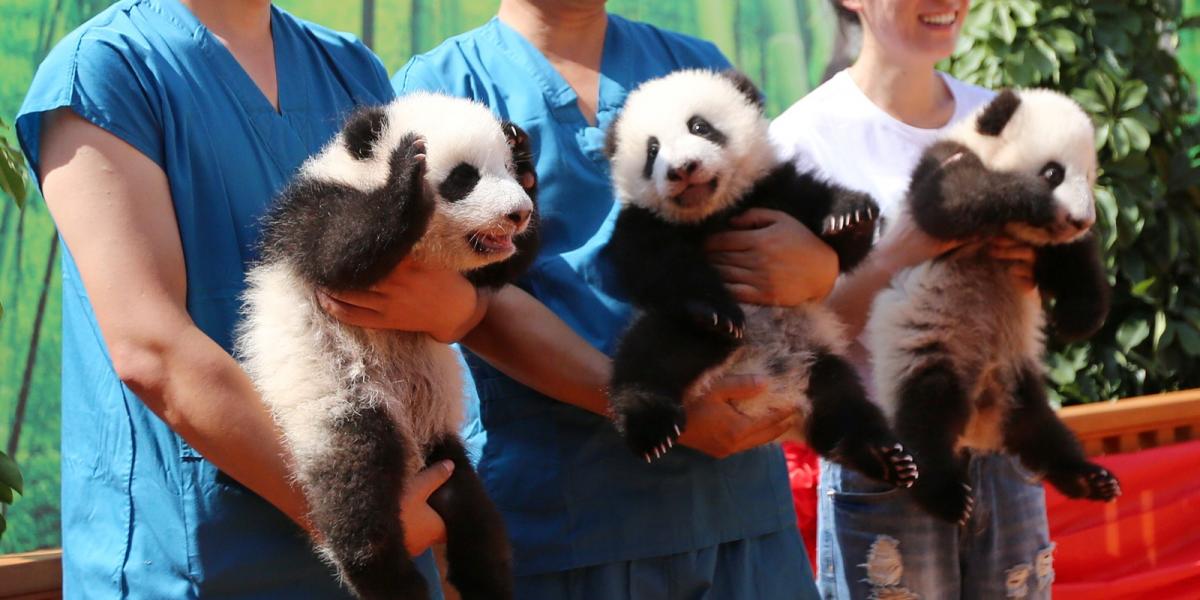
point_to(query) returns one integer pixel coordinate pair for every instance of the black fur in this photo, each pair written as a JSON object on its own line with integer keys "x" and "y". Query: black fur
{"x": 651, "y": 154}
{"x": 1046, "y": 446}
{"x": 496, "y": 275}
{"x": 690, "y": 323}
{"x": 480, "y": 562}
{"x": 998, "y": 112}
{"x": 953, "y": 195}
{"x": 354, "y": 500}
{"x": 459, "y": 183}
{"x": 341, "y": 238}
{"x": 363, "y": 129}
{"x": 745, "y": 86}
{"x": 697, "y": 125}
{"x": 1074, "y": 275}
{"x": 933, "y": 410}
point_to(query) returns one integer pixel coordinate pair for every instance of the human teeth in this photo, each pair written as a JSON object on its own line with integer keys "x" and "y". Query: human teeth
{"x": 943, "y": 19}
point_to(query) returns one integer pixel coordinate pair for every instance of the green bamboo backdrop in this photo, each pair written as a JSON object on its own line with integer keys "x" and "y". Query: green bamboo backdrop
{"x": 785, "y": 45}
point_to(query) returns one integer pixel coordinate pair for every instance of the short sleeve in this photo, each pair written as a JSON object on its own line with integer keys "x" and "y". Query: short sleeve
{"x": 103, "y": 78}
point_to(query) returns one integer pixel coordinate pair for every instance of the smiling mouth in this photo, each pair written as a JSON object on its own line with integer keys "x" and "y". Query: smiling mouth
{"x": 940, "y": 20}
{"x": 695, "y": 194}
{"x": 491, "y": 243}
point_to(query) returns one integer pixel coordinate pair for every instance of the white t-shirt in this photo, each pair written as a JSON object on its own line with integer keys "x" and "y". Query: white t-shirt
{"x": 839, "y": 133}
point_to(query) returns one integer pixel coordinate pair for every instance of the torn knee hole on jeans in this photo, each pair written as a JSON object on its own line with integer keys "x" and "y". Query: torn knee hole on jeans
{"x": 1044, "y": 566}
{"x": 1016, "y": 581}
{"x": 885, "y": 569}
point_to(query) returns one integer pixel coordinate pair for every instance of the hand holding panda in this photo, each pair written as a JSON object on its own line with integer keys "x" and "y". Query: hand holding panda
{"x": 956, "y": 343}
{"x": 427, "y": 178}
{"x": 689, "y": 152}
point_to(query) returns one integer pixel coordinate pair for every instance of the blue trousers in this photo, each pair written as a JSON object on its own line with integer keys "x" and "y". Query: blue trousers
{"x": 874, "y": 542}
{"x": 770, "y": 567}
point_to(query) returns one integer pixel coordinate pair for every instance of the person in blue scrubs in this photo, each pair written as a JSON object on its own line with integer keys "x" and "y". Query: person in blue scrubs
{"x": 587, "y": 518}
{"x": 159, "y": 132}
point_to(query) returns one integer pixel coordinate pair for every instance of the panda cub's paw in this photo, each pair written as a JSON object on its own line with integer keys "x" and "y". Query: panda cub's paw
{"x": 650, "y": 422}
{"x": 850, "y": 216}
{"x": 1089, "y": 480}
{"x": 950, "y": 500}
{"x": 728, "y": 322}
{"x": 899, "y": 467}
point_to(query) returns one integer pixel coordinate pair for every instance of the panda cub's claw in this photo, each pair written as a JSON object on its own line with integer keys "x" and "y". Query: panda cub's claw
{"x": 729, "y": 323}
{"x": 650, "y": 422}
{"x": 899, "y": 465}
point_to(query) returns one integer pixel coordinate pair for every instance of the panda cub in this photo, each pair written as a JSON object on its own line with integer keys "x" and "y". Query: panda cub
{"x": 688, "y": 152}
{"x": 439, "y": 180}
{"x": 957, "y": 345}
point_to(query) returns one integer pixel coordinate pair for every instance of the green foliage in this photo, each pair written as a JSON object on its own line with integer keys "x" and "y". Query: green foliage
{"x": 1118, "y": 60}
{"x": 10, "y": 481}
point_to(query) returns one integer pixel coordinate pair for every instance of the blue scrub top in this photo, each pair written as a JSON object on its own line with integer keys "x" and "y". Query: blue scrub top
{"x": 143, "y": 514}
{"x": 571, "y": 492}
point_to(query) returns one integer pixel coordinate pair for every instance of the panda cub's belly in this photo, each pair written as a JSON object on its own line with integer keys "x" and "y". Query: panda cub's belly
{"x": 312, "y": 370}
{"x": 781, "y": 343}
{"x": 963, "y": 313}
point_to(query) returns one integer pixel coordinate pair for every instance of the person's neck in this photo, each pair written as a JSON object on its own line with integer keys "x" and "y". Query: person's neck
{"x": 234, "y": 21}
{"x": 911, "y": 91}
{"x": 572, "y": 31}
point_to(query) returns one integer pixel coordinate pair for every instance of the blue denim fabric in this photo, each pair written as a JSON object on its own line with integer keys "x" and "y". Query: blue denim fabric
{"x": 1003, "y": 552}
{"x": 759, "y": 568}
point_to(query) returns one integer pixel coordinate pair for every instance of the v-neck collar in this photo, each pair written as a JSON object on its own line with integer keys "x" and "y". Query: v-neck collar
{"x": 558, "y": 93}
{"x": 235, "y": 76}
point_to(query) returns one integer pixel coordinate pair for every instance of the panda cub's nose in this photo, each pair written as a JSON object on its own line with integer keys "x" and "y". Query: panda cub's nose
{"x": 678, "y": 173}
{"x": 519, "y": 217}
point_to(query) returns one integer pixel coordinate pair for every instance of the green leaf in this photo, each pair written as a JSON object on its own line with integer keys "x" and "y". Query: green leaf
{"x": 1133, "y": 93}
{"x": 3, "y": 525}
{"x": 1139, "y": 138}
{"x": 1160, "y": 327}
{"x": 1142, "y": 287}
{"x": 6, "y": 494}
{"x": 1090, "y": 100}
{"x": 1119, "y": 138}
{"x": 1025, "y": 12}
{"x": 1131, "y": 333}
{"x": 1006, "y": 29}
{"x": 1189, "y": 338}
{"x": 10, "y": 475}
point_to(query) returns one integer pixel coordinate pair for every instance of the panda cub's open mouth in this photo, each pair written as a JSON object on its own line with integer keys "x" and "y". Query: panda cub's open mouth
{"x": 491, "y": 243}
{"x": 695, "y": 194}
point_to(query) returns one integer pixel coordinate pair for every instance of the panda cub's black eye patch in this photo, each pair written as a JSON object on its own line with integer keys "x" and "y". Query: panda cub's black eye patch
{"x": 697, "y": 125}
{"x": 459, "y": 183}
{"x": 651, "y": 154}
{"x": 1053, "y": 173}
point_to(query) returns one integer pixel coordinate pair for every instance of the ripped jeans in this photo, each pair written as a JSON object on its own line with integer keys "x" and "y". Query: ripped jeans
{"x": 873, "y": 542}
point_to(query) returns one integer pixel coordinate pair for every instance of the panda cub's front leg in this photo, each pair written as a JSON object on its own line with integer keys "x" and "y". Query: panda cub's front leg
{"x": 846, "y": 427}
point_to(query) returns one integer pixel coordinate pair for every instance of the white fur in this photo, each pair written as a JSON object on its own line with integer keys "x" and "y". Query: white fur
{"x": 312, "y": 369}
{"x": 967, "y": 301}
{"x": 661, "y": 108}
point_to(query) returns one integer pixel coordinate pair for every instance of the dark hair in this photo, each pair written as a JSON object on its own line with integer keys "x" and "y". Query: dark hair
{"x": 844, "y": 14}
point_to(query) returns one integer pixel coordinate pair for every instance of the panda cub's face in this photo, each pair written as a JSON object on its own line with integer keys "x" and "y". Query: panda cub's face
{"x": 689, "y": 144}
{"x": 479, "y": 205}
{"x": 1044, "y": 135}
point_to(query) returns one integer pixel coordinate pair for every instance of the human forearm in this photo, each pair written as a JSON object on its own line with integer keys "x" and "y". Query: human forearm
{"x": 854, "y": 293}
{"x": 529, "y": 343}
{"x": 205, "y": 397}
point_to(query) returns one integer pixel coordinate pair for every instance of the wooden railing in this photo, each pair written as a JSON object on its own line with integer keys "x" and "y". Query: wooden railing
{"x": 1103, "y": 428}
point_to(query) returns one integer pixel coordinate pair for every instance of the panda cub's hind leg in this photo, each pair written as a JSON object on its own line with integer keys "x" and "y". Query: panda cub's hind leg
{"x": 931, "y": 413}
{"x": 848, "y": 428}
{"x": 1045, "y": 445}
{"x": 353, "y": 488}
{"x": 477, "y": 552}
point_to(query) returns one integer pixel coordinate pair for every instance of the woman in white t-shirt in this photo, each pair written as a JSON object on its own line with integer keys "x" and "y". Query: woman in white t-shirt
{"x": 865, "y": 129}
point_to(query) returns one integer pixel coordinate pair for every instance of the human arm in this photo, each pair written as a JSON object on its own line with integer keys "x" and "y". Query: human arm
{"x": 526, "y": 341}
{"x": 113, "y": 209}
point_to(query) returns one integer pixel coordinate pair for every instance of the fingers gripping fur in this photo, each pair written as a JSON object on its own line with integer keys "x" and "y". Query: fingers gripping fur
{"x": 477, "y": 549}
{"x": 845, "y": 426}
{"x": 343, "y": 238}
{"x": 1073, "y": 274}
{"x": 354, "y": 488}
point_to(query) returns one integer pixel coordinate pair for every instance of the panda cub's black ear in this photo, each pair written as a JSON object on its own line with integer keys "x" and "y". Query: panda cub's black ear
{"x": 745, "y": 86}
{"x": 363, "y": 129}
{"x": 998, "y": 112}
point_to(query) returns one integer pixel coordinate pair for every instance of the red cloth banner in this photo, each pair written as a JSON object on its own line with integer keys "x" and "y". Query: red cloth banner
{"x": 1146, "y": 545}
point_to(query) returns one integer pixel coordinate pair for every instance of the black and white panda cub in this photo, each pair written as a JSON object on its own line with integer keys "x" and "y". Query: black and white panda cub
{"x": 688, "y": 152}
{"x": 957, "y": 345}
{"x": 438, "y": 179}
